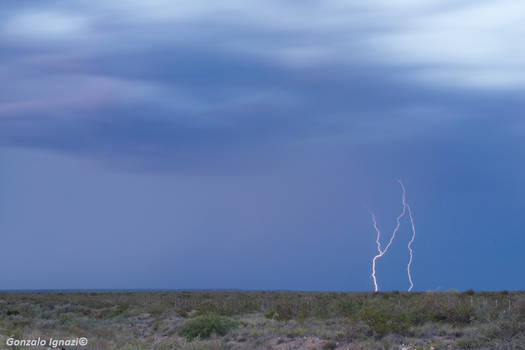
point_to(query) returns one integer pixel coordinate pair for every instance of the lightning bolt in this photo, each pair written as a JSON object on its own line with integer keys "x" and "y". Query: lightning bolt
{"x": 413, "y": 227}
{"x": 382, "y": 252}
{"x": 374, "y": 222}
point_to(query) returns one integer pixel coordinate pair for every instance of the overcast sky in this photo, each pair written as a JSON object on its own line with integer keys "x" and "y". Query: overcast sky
{"x": 238, "y": 143}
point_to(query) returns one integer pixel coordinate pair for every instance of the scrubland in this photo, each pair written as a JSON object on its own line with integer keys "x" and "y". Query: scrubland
{"x": 268, "y": 320}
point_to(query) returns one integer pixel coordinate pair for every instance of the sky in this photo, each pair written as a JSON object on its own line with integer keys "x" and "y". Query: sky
{"x": 238, "y": 144}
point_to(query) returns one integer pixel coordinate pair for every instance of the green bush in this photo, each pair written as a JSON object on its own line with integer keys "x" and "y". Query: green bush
{"x": 418, "y": 315}
{"x": 121, "y": 308}
{"x": 383, "y": 320}
{"x": 505, "y": 331}
{"x": 349, "y": 308}
{"x": 459, "y": 314}
{"x": 204, "y": 326}
{"x": 269, "y": 314}
{"x": 456, "y": 312}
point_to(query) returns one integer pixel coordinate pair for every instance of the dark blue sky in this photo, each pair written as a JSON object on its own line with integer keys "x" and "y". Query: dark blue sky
{"x": 178, "y": 144}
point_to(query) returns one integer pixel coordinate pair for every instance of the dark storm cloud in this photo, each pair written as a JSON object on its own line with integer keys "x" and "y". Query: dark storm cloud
{"x": 154, "y": 83}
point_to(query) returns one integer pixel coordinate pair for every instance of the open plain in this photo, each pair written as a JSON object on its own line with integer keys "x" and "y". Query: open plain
{"x": 217, "y": 320}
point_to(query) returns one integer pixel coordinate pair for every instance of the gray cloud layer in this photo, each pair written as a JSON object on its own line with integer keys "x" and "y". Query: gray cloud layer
{"x": 182, "y": 80}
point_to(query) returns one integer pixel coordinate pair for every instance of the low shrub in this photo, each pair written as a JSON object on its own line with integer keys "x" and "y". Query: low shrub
{"x": 505, "y": 331}
{"x": 456, "y": 312}
{"x": 206, "y": 325}
{"x": 269, "y": 314}
{"x": 121, "y": 308}
{"x": 459, "y": 314}
{"x": 419, "y": 315}
{"x": 349, "y": 308}
{"x": 383, "y": 319}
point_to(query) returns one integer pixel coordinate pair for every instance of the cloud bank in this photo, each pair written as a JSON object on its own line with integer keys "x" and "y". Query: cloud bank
{"x": 184, "y": 81}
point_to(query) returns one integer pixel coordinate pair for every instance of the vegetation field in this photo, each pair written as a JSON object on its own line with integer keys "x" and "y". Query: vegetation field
{"x": 266, "y": 320}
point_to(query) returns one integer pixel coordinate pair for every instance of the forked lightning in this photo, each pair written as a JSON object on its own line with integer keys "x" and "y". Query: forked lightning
{"x": 382, "y": 252}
